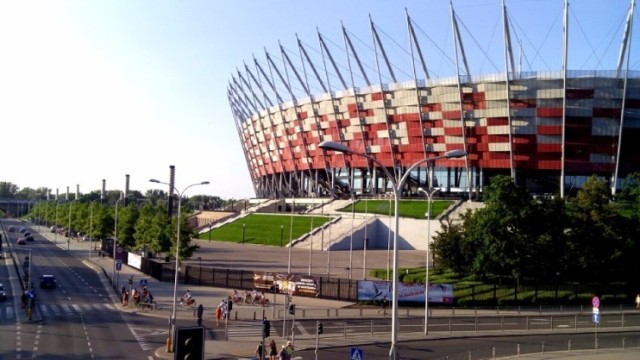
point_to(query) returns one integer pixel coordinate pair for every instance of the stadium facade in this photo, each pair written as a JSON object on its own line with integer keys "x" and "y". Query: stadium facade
{"x": 548, "y": 130}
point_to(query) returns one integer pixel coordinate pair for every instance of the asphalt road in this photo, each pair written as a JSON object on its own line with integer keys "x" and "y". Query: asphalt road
{"x": 79, "y": 319}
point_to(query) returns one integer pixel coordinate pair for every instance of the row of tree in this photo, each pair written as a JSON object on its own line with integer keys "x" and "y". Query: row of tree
{"x": 142, "y": 223}
{"x": 591, "y": 238}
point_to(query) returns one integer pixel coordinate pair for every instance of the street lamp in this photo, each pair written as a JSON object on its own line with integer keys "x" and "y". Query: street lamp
{"x": 397, "y": 192}
{"x": 293, "y": 205}
{"x": 91, "y": 224}
{"x": 426, "y": 263}
{"x": 115, "y": 241}
{"x": 172, "y": 321}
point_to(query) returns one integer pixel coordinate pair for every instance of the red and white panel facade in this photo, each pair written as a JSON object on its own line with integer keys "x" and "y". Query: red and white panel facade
{"x": 542, "y": 128}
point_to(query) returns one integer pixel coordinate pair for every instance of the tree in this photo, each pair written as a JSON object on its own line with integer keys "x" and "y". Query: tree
{"x": 595, "y": 234}
{"x": 186, "y": 234}
{"x": 8, "y": 190}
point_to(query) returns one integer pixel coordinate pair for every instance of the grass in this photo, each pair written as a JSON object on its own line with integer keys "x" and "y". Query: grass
{"x": 266, "y": 229}
{"x": 415, "y": 209}
{"x": 469, "y": 291}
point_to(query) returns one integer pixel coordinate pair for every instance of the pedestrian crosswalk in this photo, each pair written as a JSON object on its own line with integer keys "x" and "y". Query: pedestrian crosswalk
{"x": 73, "y": 309}
{"x": 244, "y": 329}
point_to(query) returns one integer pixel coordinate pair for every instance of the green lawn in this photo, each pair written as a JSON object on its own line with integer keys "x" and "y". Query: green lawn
{"x": 415, "y": 209}
{"x": 266, "y": 229}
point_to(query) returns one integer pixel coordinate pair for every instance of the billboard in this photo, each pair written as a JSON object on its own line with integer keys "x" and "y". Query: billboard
{"x": 294, "y": 284}
{"x": 375, "y": 290}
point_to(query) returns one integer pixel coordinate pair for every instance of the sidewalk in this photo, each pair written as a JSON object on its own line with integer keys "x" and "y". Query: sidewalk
{"x": 210, "y": 297}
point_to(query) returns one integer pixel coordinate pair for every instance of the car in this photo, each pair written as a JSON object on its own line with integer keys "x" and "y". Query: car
{"x": 11, "y": 228}
{"x": 29, "y": 238}
{"x": 22, "y": 230}
{"x": 21, "y": 241}
{"x": 3, "y": 294}
{"x": 26, "y": 233}
{"x": 48, "y": 281}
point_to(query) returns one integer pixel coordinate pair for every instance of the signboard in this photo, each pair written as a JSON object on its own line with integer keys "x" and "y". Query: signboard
{"x": 356, "y": 354}
{"x": 293, "y": 284}
{"x": 596, "y": 318}
{"x": 143, "y": 282}
{"x": 118, "y": 266}
{"x": 407, "y": 292}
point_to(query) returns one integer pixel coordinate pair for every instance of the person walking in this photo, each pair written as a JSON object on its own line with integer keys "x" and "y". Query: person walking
{"x": 218, "y": 315}
{"x": 273, "y": 350}
{"x": 260, "y": 351}
{"x": 383, "y": 305}
{"x": 638, "y": 301}
{"x": 283, "y": 354}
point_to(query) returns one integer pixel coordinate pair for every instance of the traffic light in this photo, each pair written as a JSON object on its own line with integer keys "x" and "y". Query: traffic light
{"x": 266, "y": 328}
{"x": 292, "y": 309}
{"x": 189, "y": 343}
{"x": 320, "y": 329}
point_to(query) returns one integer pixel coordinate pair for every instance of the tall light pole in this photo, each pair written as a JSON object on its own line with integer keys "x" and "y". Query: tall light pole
{"x": 293, "y": 204}
{"x": 91, "y": 224}
{"x": 426, "y": 263}
{"x": 115, "y": 239}
{"x": 172, "y": 321}
{"x": 397, "y": 192}
{"x": 55, "y": 223}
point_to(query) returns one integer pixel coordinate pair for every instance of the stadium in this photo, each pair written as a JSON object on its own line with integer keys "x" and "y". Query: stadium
{"x": 549, "y": 130}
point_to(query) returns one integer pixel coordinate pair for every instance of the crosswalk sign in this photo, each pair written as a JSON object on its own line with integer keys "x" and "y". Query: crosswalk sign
{"x": 356, "y": 354}
{"x": 596, "y": 318}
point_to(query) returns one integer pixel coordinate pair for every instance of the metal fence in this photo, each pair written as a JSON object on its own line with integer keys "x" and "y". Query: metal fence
{"x": 347, "y": 290}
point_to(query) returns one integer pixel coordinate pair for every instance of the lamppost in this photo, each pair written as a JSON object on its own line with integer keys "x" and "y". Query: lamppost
{"x": 69, "y": 228}
{"x": 55, "y": 222}
{"x": 281, "y": 234}
{"x": 172, "y": 321}
{"x": 293, "y": 205}
{"x": 426, "y": 263}
{"x": 91, "y": 223}
{"x": 397, "y": 192}
{"x": 115, "y": 240}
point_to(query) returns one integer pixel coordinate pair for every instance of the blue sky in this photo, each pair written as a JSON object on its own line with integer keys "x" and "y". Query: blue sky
{"x": 93, "y": 90}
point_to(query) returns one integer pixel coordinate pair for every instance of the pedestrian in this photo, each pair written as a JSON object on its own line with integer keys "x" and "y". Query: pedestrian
{"x": 383, "y": 305}
{"x": 273, "y": 350}
{"x": 283, "y": 355}
{"x": 218, "y": 315}
{"x": 289, "y": 349}
{"x": 259, "y": 351}
{"x": 638, "y": 301}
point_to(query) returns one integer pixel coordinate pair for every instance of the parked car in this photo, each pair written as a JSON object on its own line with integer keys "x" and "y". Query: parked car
{"x": 29, "y": 238}
{"x": 11, "y": 228}
{"x": 21, "y": 241}
{"x": 48, "y": 281}
{"x": 26, "y": 233}
{"x": 3, "y": 294}
{"x": 22, "y": 230}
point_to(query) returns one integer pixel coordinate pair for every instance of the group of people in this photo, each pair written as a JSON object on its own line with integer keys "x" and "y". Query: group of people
{"x": 222, "y": 310}
{"x": 286, "y": 352}
{"x": 136, "y": 297}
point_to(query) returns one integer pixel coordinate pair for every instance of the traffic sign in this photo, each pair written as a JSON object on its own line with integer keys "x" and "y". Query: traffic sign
{"x": 356, "y": 354}
{"x": 595, "y": 302}
{"x": 596, "y": 310}
{"x": 119, "y": 250}
{"x": 118, "y": 266}
{"x": 143, "y": 282}
{"x": 596, "y": 318}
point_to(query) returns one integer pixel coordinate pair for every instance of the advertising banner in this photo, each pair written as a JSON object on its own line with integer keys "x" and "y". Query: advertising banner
{"x": 294, "y": 284}
{"x": 369, "y": 290}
